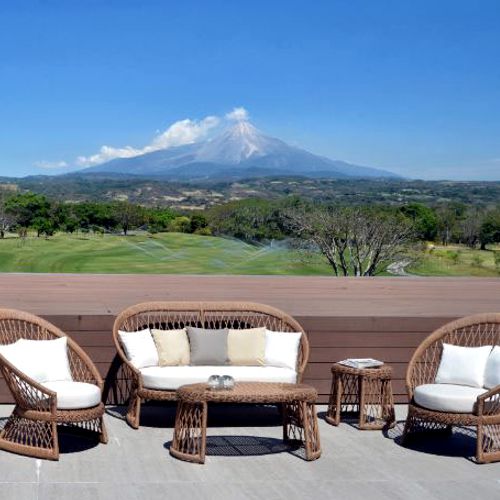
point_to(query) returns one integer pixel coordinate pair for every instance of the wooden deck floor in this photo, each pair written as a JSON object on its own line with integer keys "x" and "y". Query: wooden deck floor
{"x": 385, "y": 318}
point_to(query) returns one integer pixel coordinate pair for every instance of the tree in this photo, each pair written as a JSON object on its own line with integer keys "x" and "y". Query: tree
{"x": 26, "y": 208}
{"x": 447, "y": 224}
{"x": 249, "y": 220}
{"x": 159, "y": 219}
{"x": 128, "y": 215}
{"x": 490, "y": 229}
{"x": 6, "y": 220}
{"x": 470, "y": 228}
{"x": 424, "y": 220}
{"x": 198, "y": 221}
{"x": 354, "y": 241}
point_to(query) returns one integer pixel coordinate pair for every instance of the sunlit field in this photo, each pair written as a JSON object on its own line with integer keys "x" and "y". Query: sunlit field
{"x": 173, "y": 253}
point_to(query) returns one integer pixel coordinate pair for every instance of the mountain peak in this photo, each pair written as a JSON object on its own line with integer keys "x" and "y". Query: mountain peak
{"x": 243, "y": 128}
{"x": 236, "y": 144}
{"x": 239, "y": 151}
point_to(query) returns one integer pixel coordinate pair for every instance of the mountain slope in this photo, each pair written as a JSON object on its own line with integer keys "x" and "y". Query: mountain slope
{"x": 241, "y": 151}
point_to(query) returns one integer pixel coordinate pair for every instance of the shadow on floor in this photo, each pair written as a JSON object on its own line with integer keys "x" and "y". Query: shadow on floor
{"x": 71, "y": 439}
{"x": 219, "y": 415}
{"x": 237, "y": 446}
{"x": 460, "y": 442}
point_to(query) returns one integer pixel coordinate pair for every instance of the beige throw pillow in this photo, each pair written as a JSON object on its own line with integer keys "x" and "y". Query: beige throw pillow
{"x": 173, "y": 347}
{"x": 246, "y": 347}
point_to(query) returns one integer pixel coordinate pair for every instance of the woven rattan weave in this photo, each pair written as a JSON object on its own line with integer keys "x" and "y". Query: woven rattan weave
{"x": 300, "y": 422}
{"x": 471, "y": 331}
{"x": 32, "y": 428}
{"x": 367, "y": 391}
{"x": 174, "y": 315}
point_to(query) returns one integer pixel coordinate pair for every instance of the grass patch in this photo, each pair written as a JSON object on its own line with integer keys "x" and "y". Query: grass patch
{"x": 164, "y": 253}
{"x": 456, "y": 260}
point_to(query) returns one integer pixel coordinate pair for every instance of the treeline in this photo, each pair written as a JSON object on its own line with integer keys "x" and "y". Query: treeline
{"x": 26, "y": 212}
{"x": 254, "y": 219}
{"x": 250, "y": 220}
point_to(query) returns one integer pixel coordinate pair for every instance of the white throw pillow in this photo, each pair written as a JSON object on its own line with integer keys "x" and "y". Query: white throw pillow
{"x": 282, "y": 349}
{"x": 41, "y": 360}
{"x": 492, "y": 372}
{"x": 463, "y": 365}
{"x": 140, "y": 348}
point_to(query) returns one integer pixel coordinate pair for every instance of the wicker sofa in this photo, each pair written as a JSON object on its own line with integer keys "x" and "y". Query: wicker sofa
{"x": 478, "y": 407}
{"x": 41, "y": 406}
{"x": 160, "y": 383}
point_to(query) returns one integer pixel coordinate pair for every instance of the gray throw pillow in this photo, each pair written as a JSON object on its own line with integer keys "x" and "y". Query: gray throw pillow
{"x": 208, "y": 347}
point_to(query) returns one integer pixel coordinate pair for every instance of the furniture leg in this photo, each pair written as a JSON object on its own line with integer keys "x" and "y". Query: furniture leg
{"x": 34, "y": 438}
{"x": 134, "y": 410}
{"x": 190, "y": 434}
{"x": 335, "y": 402}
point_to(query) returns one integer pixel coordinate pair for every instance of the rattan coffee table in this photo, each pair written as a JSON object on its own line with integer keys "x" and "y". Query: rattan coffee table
{"x": 366, "y": 392}
{"x": 299, "y": 415}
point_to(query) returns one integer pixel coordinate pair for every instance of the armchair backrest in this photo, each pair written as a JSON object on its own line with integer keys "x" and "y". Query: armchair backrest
{"x": 15, "y": 325}
{"x": 471, "y": 331}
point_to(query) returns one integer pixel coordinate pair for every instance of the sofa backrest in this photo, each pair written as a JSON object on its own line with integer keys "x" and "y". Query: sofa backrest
{"x": 214, "y": 315}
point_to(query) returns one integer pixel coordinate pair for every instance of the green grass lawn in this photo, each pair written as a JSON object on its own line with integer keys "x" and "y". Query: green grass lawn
{"x": 455, "y": 260}
{"x": 172, "y": 253}
{"x": 177, "y": 253}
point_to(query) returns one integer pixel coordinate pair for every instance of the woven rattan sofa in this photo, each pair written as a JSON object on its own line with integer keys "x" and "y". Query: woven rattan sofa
{"x": 472, "y": 331}
{"x": 32, "y": 427}
{"x": 213, "y": 315}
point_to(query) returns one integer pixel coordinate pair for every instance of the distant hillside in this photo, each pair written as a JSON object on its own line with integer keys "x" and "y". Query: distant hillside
{"x": 201, "y": 194}
{"x": 240, "y": 152}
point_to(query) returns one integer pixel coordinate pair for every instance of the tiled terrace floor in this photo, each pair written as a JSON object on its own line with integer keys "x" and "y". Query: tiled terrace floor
{"x": 354, "y": 465}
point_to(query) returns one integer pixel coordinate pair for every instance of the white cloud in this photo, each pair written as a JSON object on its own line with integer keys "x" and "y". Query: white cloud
{"x": 50, "y": 164}
{"x": 237, "y": 114}
{"x": 179, "y": 133}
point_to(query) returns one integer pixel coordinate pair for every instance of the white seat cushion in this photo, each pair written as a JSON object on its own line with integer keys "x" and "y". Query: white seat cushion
{"x": 75, "y": 395}
{"x": 173, "y": 377}
{"x": 447, "y": 397}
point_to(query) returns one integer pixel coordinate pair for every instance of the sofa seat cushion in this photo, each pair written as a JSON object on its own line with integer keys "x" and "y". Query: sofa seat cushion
{"x": 75, "y": 395}
{"x": 448, "y": 398}
{"x": 173, "y": 377}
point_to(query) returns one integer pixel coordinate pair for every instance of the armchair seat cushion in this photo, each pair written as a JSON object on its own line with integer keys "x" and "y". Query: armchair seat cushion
{"x": 75, "y": 395}
{"x": 173, "y": 377}
{"x": 448, "y": 398}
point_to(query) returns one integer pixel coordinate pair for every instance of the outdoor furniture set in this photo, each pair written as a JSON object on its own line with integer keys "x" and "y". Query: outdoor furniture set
{"x": 169, "y": 351}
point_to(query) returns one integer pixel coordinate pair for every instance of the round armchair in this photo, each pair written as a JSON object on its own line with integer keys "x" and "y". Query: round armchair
{"x": 39, "y": 408}
{"x": 471, "y": 331}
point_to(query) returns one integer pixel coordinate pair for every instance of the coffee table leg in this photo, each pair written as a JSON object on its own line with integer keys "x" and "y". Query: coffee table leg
{"x": 190, "y": 434}
{"x": 300, "y": 423}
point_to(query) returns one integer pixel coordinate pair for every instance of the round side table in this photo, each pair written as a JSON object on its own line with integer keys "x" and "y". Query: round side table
{"x": 366, "y": 392}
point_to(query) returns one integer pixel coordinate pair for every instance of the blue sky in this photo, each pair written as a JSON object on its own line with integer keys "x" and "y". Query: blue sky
{"x": 409, "y": 86}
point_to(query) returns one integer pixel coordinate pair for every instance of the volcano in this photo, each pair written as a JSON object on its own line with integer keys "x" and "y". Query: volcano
{"x": 241, "y": 151}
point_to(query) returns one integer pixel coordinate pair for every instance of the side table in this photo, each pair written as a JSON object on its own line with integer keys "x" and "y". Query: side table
{"x": 365, "y": 391}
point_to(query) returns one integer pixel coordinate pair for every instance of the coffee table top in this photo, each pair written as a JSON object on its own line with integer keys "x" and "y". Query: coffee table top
{"x": 248, "y": 392}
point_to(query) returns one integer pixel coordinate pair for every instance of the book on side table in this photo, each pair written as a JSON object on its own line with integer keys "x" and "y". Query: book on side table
{"x": 361, "y": 363}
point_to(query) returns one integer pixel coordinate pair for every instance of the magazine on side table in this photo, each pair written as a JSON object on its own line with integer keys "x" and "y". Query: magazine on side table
{"x": 361, "y": 363}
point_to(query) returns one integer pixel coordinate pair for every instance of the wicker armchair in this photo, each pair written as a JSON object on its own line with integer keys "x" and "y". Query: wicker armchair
{"x": 472, "y": 331}
{"x": 175, "y": 315}
{"x": 32, "y": 427}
